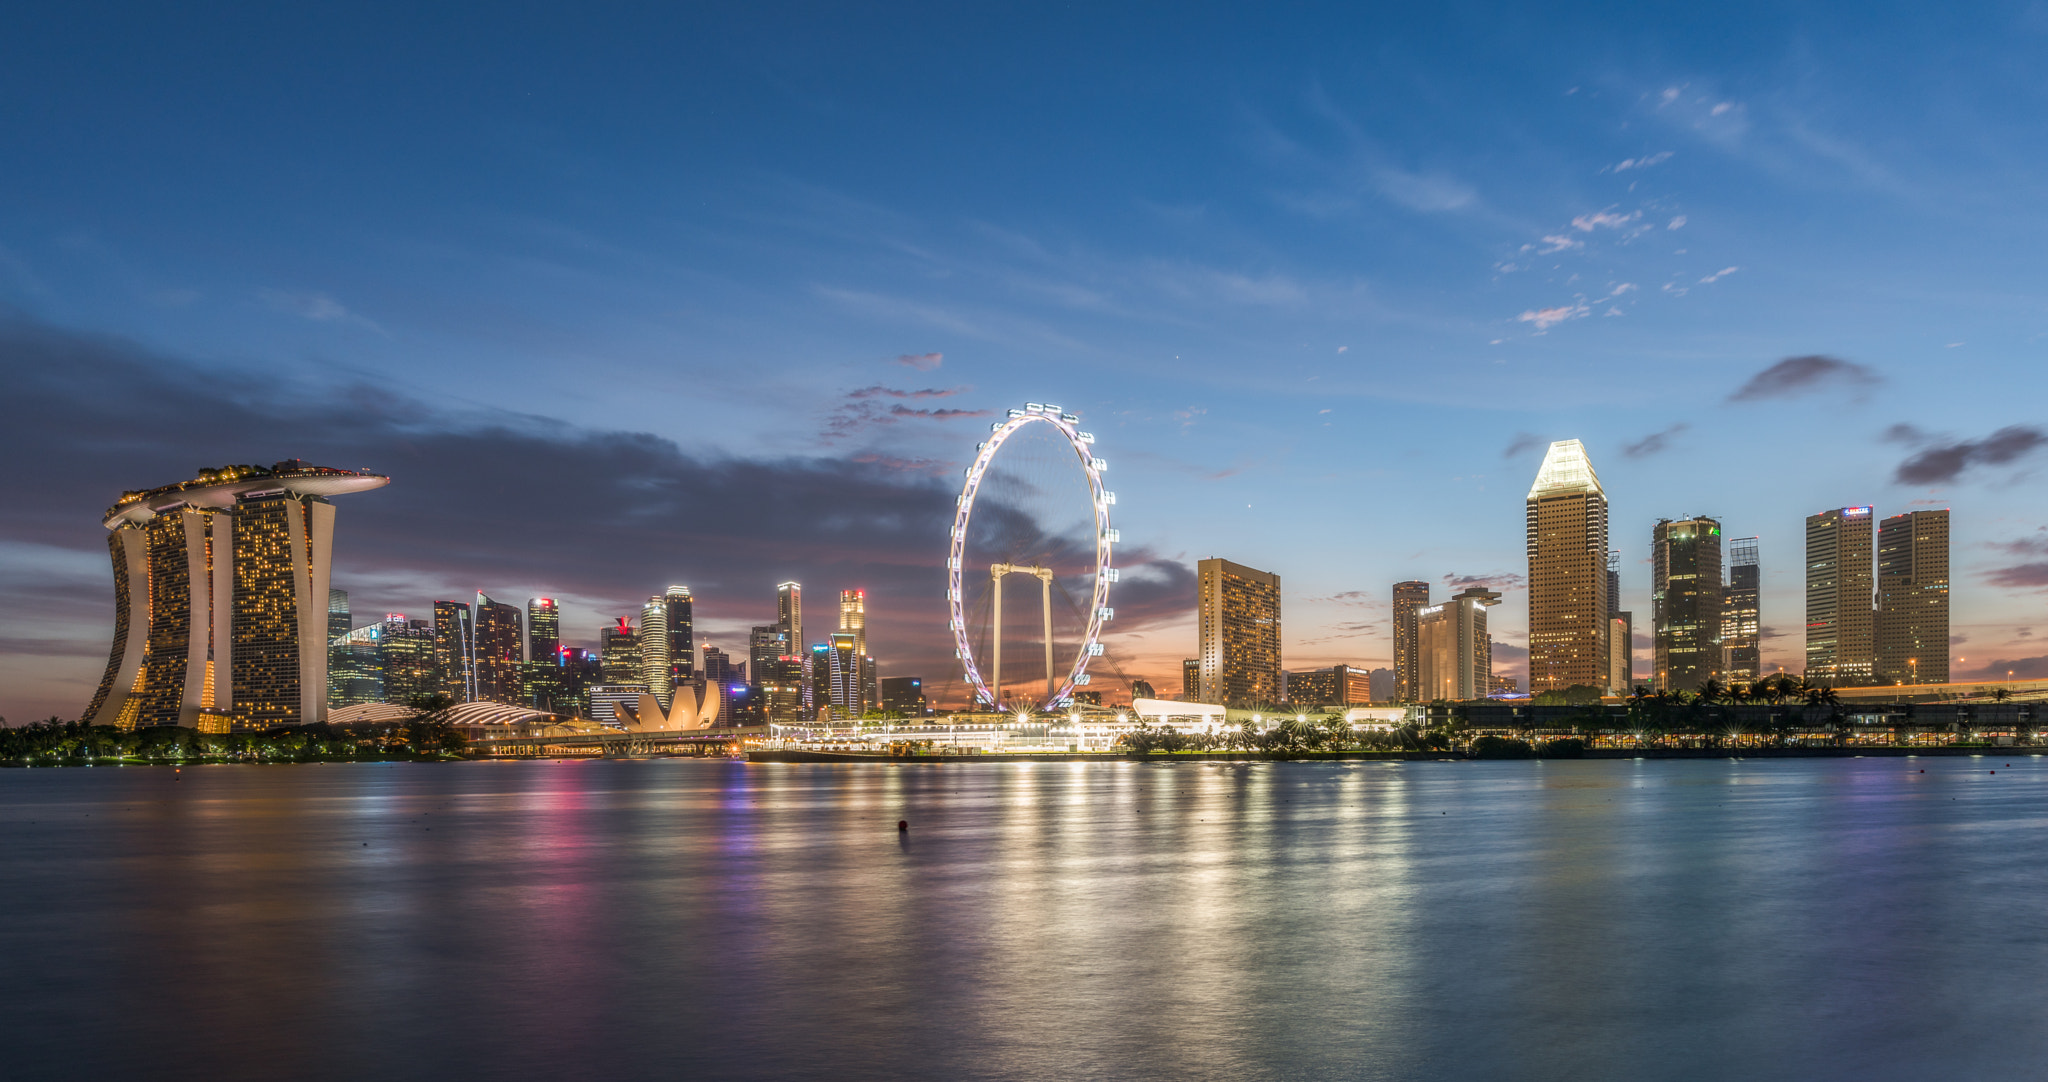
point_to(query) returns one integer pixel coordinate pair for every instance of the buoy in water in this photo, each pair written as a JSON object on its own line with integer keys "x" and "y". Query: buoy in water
{"x": 903, "y": 826}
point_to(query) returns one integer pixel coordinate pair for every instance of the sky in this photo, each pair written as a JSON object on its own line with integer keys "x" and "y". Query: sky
{"x": 624, "y": 296}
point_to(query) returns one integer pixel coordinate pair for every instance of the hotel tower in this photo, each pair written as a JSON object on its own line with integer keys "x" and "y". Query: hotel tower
{"x": 221, "y": 598}
{"x": 1568, "y": 611}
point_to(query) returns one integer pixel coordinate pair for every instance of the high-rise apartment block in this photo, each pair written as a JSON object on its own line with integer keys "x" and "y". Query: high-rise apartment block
{"x": 1569, "y": 625}
{"x": 1239, "y": 625}
{"x": 1841, "y": 624}
{"x": 1742, "y": 613}
{"x": 220, "y": 598}
{"x": 1338, "y": 685}
{"x": 1685, "y": 603}
{"x": 1912, "y": 598}
{"x": 1409, "y": 597}
{"x": 1454, "y": 653}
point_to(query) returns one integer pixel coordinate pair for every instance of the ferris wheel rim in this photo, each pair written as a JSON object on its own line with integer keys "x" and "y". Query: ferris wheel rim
{"x": 963, "y": 513}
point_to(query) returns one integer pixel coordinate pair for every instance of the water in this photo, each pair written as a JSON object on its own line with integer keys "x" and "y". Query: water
{"x": 689, "y": 919}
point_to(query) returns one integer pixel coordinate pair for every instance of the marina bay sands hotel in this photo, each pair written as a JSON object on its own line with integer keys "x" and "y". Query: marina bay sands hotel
{"x": 220, "y": 586}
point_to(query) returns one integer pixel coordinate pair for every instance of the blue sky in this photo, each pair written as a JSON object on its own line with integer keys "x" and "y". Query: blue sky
{"x": 1322, "y": 280}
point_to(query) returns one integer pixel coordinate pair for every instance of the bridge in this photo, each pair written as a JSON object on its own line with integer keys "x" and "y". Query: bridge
{"x": 613, "y": 744}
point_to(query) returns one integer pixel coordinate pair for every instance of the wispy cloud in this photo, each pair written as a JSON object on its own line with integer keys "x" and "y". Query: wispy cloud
{"x": 1719, "y": 274}
{"x": 1604, "y": 219}
{"x": 1653, "y": 443}
{"x": 1644, "y": 162}
{"x": 879, "y": 391}
{"x": 1430, "y": 192}
{"x": 923, "y": 362}
{"x": 1947, "y": 461}
{"x": 1799, "y": 375}
{"x": 861, "y": 412}
{"x": 1522, "y": 442}
{"x": 318, "y": 307}
{"x": 1502, "y": 581}
{"x": 1546, "y": 318}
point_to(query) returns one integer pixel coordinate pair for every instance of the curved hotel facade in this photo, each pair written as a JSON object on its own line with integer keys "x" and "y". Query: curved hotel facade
{"x": 220, "y": 589}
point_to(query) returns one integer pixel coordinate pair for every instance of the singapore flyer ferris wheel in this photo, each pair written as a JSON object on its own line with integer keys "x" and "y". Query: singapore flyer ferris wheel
{"x": 1044, "y": 515}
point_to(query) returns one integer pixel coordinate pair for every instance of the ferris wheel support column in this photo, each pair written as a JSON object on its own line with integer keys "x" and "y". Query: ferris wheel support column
{"x": 1045, "y": 594}
{"x": 995, "y": 577}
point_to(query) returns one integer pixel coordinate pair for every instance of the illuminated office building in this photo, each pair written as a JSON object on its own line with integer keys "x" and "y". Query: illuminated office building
{"x": 220, "y": 590}
{"x": 680, "y": 625}
{"x": 905, "y": 695}
{"x": 818, "y": 682}
{"x": 789, "y": 614}
{"x": 1454, "y": 653}
{"x": 1912, "y": 598}
{"x": 1239, "y": 627}
{"x": 1685, "y": 603}
{"x": 1741, "y": 613}
{"x": 405, "y": 659}
{"x": 455, "y": 650}
{"x": 604, "y": 700}
{"x": 717, "y": 665}
{"x": 1621, "y": 627}
{"x": 543, "y": 628}
{"x": 1566, "y": 521}
{"x": 655, "y": 669}
{"x": 779, "y": 681}
{"x": 619, "y": 651}
{"x": 853, "y": 618}
{"x": 1191, "y": 680}
{"x": 1841, "y": 624}
{"x": 843, "y": 671}
{"x": 500, "y": 649}
{"x": 1408, "y": 597}
{"x": 765, "y": 643}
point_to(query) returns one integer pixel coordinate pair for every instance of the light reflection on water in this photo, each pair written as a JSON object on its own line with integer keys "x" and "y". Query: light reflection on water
{"x": 620, "y": 920}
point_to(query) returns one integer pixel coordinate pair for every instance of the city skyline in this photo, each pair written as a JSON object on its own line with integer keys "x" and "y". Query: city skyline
{"x": 745, "y": 366}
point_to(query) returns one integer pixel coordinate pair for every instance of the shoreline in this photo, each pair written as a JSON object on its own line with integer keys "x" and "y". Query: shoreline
{"x": 795, "y": 756}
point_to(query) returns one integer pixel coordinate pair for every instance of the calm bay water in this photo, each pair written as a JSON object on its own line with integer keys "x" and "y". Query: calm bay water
{"x": 690, "y": 919}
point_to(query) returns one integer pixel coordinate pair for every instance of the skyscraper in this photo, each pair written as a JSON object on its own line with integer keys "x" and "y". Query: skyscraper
{"x": 842, "y": 658}
{"x": 853, "y": 617}
{"x": 789, "y": 613}
{"x": 619, "y": 653}
{"x": 1841, "y": 631}
{"x": 1452, "y": 648}
{"x": 1191, "y": 680}
{"x": 1408, "y": 597}
{"x": 1741, "y": 613}
{"x": 1567, "y": 541}
{"x": 405, "y": 651}
{"x": 905, "y": 695}
{"x": 500, "y": 648}
{"x": 455, "y": 650}
{"x": 220, "y": 590}
{"x": 1685, "y": 603}
{"x": 818, "y": 682}
{"x": 543, "y": 629}
{"x": 339, "y": 691}
{"x": 655, "y": 669}
{"x": 681, "y": 627}
{"x": 1912, "y": 598}
{"x": 1239, "y": 625}
{"x": 1620, "y": 630}
{"x": 717, "y": 665}
{"x": 765, "y": 643}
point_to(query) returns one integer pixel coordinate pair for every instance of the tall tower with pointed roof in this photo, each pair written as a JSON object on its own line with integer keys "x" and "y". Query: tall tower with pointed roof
{"x": 1567, "y": 534}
